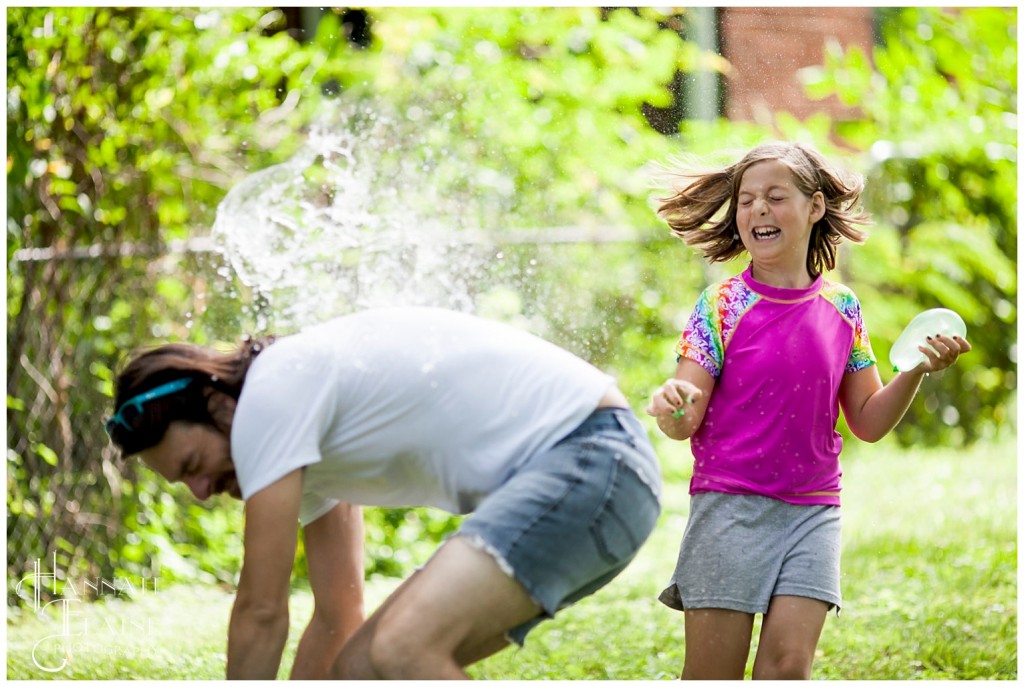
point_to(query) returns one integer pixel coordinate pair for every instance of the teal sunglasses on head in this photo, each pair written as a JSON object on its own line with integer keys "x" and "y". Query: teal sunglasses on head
{"x": 131, "y": 409}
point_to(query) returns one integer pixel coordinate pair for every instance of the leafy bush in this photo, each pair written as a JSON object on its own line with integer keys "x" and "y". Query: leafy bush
{"x": 939, "y": 131}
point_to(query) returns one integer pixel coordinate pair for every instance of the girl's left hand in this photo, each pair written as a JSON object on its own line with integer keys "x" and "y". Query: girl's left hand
{"x": 942, "y": 351}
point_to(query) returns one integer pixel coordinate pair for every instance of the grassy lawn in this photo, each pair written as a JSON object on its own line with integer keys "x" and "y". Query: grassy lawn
{"x": 929, "y": 582}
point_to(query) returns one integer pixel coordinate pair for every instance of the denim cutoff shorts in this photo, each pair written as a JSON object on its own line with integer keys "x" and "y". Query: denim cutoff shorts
{"x": 572, "y": 518}
{"x": 740, "y": 550}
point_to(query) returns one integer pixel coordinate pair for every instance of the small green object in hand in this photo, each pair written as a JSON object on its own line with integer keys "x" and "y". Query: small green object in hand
{"x": 682, "y": 411}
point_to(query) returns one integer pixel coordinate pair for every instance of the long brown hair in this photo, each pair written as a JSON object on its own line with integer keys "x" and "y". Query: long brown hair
{"x": 209, "y": 370}
{"x": 693, "y": 210}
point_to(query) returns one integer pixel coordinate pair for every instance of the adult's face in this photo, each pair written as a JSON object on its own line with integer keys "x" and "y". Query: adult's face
{"x": 198, "y": 455}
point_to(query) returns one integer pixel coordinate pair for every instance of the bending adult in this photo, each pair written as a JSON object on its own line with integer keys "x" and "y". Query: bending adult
{"x": 399, "y": 407}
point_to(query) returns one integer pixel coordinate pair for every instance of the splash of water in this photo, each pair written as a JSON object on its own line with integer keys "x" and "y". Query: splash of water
{"x": 351, "y": 221}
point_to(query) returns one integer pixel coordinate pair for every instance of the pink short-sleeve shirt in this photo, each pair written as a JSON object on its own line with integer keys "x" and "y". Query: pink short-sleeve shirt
{"x": 778, "y": 357}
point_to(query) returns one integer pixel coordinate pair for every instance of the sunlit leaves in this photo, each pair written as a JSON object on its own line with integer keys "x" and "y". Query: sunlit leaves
{"x": 940, "y": 123}
{"x": 523, "y": 87}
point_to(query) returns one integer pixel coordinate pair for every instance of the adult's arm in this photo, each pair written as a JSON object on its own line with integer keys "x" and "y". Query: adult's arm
{"x": 334, "y": 553}
{"x": 259, "y": 619}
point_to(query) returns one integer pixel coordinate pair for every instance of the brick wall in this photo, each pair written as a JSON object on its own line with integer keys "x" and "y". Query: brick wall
{"x": 767, "y": 45}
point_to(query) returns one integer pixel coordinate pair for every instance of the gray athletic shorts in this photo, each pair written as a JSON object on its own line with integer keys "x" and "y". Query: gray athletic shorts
{"x": 739, "y": 551}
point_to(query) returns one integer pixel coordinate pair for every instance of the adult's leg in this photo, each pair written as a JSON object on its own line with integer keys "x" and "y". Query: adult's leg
{"x": 453, "y": 612}
{"x": 789, "y": 636}
{"x": 717, "y": 644}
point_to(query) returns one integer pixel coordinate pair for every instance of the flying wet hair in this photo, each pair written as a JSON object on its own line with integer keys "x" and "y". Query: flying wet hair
{"x": 208, "y": 371}
{"x": 693, "y": 210}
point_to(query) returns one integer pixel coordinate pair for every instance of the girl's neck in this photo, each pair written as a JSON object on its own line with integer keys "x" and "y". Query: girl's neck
{"x": 781, "y": 278}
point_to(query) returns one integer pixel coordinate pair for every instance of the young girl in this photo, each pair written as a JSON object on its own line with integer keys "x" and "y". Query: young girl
{"x": 764, "y": 363}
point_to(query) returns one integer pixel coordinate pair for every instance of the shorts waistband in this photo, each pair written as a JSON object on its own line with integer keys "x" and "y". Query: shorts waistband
{"x": 642, "y": 460}
{"x": 609, "y": 416}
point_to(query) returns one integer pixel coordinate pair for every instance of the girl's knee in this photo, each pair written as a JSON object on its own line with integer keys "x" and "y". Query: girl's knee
{"x": 792, "y": 665}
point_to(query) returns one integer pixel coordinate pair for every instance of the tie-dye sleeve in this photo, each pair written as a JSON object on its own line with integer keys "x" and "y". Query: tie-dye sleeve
{"x": 701, "y": 340}
{"x": 846, "y": 302}
{"x": 861, "y": 355}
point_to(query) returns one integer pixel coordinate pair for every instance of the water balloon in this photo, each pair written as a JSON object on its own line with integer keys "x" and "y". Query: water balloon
{"x": 904, "y": 354}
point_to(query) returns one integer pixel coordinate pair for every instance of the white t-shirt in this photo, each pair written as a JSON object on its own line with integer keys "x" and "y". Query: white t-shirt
{"x": 405, "y": 407}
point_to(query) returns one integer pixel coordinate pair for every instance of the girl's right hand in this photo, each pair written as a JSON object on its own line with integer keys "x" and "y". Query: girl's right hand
{"x": 672, "y": 397}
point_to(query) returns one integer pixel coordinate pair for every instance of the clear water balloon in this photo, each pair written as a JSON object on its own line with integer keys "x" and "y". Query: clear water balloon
{"x": 904, "y": 354}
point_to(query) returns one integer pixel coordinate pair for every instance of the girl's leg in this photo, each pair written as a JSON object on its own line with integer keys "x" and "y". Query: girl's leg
{"x": 717, "y": 644}
{"x": 789, "y": 636}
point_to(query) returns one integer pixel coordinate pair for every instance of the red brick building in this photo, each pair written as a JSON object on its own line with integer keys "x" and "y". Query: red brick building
{"x": 767, "y": 46}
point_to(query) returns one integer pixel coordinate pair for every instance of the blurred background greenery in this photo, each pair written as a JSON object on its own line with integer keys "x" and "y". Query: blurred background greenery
{"x": 126, "y": 127}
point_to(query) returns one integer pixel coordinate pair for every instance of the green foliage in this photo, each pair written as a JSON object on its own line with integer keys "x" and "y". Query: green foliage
{"x": 397, "y": 539}
{"x": 940, "y": 130}
{"x": 546, "y": 102}
{"x": 117, "y": 137}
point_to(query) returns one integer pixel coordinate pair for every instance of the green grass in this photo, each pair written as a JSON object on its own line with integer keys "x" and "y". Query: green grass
{"x": 929, "y": 583}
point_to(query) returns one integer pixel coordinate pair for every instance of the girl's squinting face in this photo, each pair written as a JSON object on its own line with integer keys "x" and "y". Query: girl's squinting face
{"x": 197, "y": 455}
{"x": 774, "y": 217}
